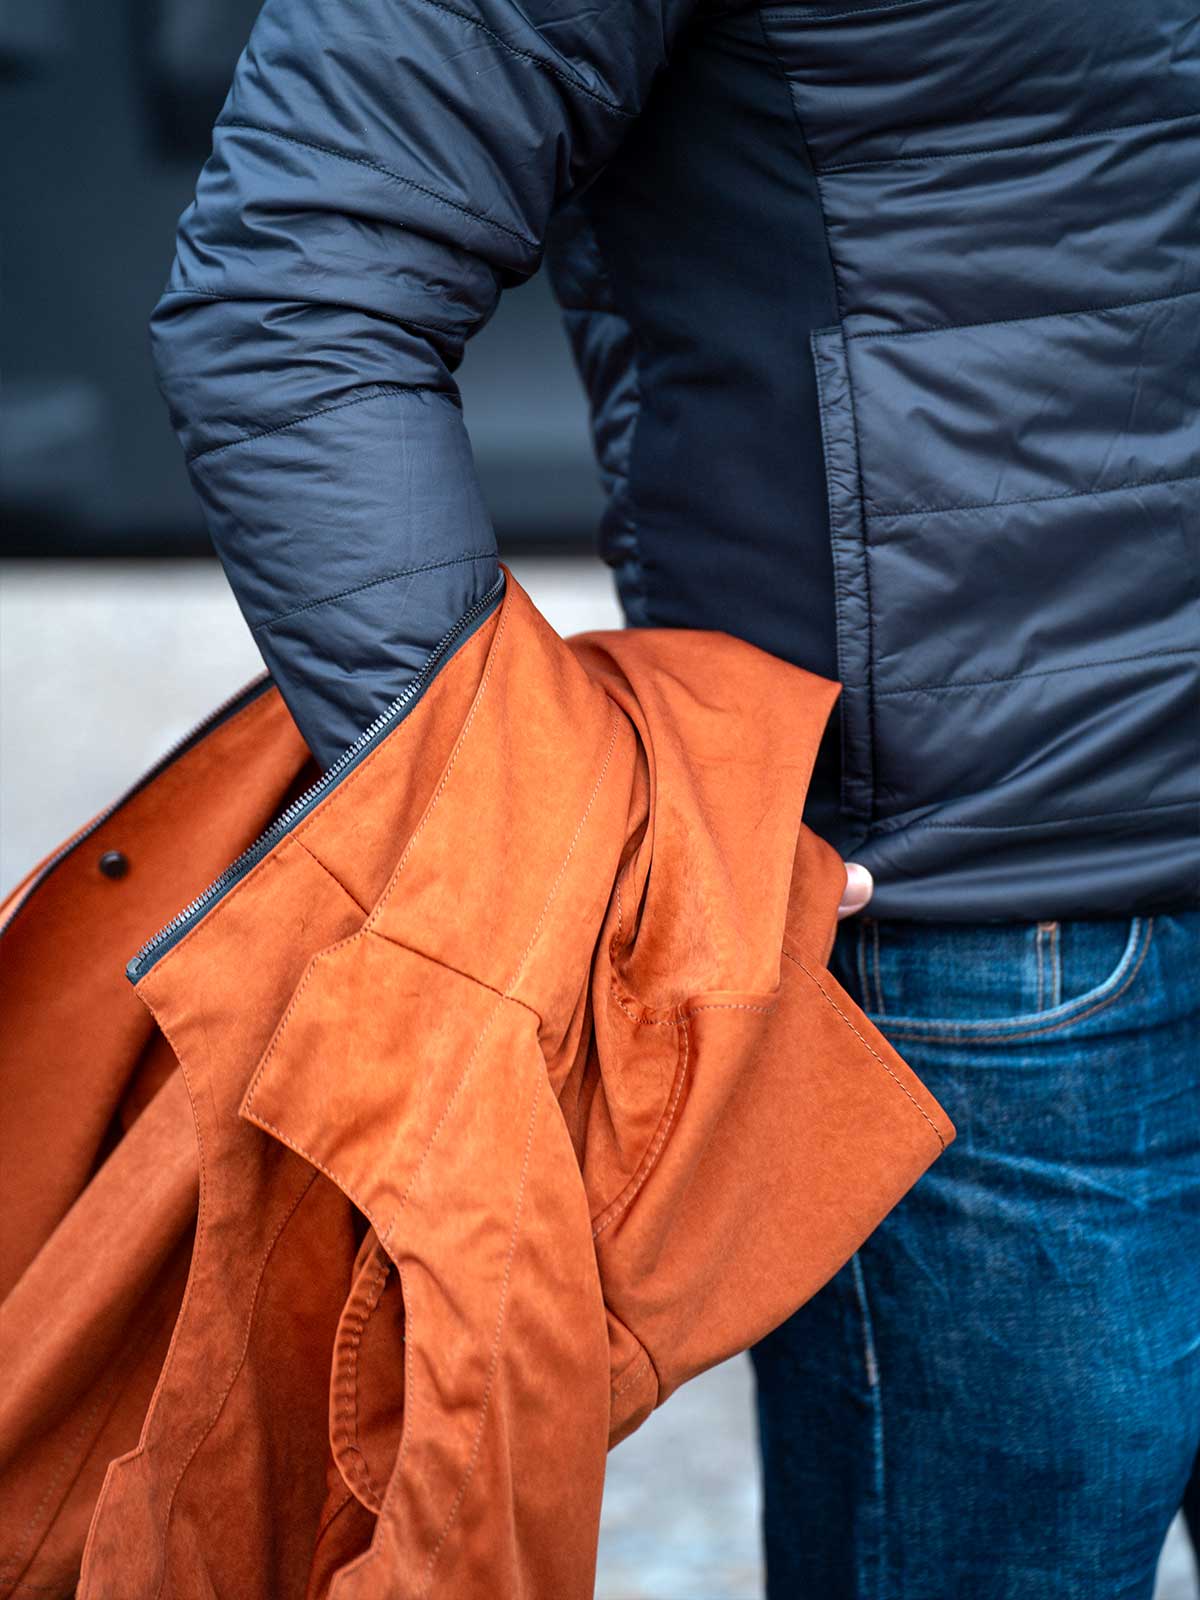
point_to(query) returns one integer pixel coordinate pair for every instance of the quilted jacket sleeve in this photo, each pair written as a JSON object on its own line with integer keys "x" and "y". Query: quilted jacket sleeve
{"x": 381, "y": 171}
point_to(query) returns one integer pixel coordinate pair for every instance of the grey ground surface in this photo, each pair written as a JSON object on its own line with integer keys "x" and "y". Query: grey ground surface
{"x": 102, "y": 667}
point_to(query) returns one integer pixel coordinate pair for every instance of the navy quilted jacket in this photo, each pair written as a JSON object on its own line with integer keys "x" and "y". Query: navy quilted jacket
{"x": 889, "y": 315}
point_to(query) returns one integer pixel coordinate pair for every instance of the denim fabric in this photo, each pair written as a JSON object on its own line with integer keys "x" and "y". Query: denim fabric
{"x": 999, "y": 1396}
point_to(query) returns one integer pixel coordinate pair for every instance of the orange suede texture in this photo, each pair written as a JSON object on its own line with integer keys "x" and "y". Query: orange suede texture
{"x": 507, "y": 1092}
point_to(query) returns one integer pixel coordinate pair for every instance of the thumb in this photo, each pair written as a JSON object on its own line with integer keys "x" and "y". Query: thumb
{"x": 860, "y": 886}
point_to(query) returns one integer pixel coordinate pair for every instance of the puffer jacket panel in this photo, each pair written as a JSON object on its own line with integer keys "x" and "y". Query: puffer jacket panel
{"x": 889, "y": 317}
{"x": 1006, "y": 390}
{"x": 1011, "y": 415}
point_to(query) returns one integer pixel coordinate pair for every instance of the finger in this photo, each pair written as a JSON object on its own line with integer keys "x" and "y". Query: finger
{"x": 860, "y": 886}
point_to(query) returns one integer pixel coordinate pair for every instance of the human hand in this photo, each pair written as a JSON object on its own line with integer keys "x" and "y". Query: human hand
{"x": 860, "y": 886}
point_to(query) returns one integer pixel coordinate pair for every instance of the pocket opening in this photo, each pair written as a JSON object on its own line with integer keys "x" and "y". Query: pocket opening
{"x": 366, "y": 1418}
{"x": 1029, "y": 1024}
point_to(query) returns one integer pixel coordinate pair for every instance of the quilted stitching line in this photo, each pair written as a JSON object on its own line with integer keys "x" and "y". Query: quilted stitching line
{"x": 806, "y": 14}
{"x": 372, "y": 583}
{"x": 384, "y": 172}
{"x": 194, "y": 291}
{"x": 1024, "y": 827}
{"x": 1037, "y": 316}
{"x": 976, "y": 151}
{"x": 380, "y": 391}
{"x": 571, "y": 81}
{"x": 1040, "y": 672}
{"x": 1032, "y": 499}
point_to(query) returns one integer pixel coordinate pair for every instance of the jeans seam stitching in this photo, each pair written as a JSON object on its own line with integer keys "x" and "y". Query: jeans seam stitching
{"x": 1055, "y": 966}
{"x": 861, "y": 959}
{"x": 997, "y": 1035}
{"x": 872, "y": 1588}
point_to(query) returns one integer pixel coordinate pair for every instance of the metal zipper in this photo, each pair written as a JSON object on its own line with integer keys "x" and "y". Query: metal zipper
{"x": 228, "y": 708}
{"x": 174, "y": 930}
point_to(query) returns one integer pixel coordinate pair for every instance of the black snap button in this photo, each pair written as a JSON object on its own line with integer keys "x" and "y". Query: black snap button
{"x": 114, "y": 864}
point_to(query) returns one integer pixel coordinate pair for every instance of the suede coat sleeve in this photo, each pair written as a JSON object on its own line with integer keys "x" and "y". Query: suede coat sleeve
{"x": 380, "y": 172}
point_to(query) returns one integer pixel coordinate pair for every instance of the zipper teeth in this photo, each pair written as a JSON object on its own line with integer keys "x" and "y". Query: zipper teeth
{"x": 246, "y": 692}
{"x": 325, "y": 782}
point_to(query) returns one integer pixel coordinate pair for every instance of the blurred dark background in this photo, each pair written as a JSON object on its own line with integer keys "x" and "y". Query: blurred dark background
{"x": 106, "y": 111}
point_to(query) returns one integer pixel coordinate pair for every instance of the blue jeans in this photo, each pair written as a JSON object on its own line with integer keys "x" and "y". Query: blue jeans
{"x": 998, "y": 1398}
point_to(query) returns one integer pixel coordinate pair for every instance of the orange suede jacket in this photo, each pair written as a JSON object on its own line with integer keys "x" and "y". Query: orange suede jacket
{"x": 500, "y": 1088}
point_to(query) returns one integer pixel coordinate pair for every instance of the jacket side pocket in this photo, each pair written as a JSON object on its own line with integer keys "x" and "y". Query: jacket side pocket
{"x": 366, "y": 1392}
{"x": 852, "y": 595}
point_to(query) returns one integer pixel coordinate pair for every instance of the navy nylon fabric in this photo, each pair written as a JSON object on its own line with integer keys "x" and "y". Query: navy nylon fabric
{"x": 380, "y": 173}
{"x": 889, "y": 317}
